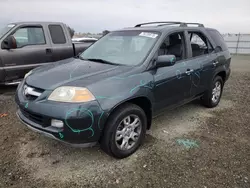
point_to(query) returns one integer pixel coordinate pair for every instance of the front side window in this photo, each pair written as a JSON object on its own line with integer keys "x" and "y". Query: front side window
{"x": 122, "y": 47}
{"x": 174, "y": 44}
{"x": 29, "y": 36}
{"x": 199, "y": 44}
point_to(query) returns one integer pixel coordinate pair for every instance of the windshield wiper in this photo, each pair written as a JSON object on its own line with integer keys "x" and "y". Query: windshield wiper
{"x": 101, "y": 61}
{"x": 79, "y": 57}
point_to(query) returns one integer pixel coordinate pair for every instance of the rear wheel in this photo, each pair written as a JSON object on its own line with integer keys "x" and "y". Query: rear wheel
{"x": 125, "y": 131}
{"x": 212, "y": 97}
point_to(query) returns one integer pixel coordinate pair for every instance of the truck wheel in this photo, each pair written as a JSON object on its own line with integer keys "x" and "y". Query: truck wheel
{"x": 124, "y": 131}
{"x": 212, "y": 97}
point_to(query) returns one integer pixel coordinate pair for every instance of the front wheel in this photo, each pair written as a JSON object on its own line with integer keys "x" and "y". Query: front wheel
{"x": 212, "y": 97}
{"x": 125, "y": 131}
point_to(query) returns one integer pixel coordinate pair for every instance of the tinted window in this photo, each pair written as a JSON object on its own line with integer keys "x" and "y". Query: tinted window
{"x": 218, "y": 39}
{"x": 29, "y": 36}
{"x": 57, "y": 34}
{"x": 199, "y": 44}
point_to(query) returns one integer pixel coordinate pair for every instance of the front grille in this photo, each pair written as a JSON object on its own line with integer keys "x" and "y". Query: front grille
{"x": 41, "y": 120}
{"x": 31, "y": 93}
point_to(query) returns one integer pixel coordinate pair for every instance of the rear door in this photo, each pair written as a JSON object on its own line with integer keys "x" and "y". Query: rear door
{"x": 62, "y": 46}
{"x": 30, "y": 52}
{"x": 201, "y": 61}
{"x": 223, "y": 54}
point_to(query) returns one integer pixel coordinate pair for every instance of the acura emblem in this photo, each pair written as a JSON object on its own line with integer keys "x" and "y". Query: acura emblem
{"x": 30, "y": 91}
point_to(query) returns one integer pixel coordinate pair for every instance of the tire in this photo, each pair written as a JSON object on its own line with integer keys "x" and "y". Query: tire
{"x": 110, "y": 142}
{"x": 208, "y": 99}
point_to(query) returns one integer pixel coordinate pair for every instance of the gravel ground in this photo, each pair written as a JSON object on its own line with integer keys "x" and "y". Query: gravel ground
{"x": 190, "y": 146}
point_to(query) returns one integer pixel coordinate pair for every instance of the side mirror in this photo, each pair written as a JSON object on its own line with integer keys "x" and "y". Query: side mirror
{"x": 9, "y": 43}
{"x": 165, "y": 60}
{"x": 217, "y": 49}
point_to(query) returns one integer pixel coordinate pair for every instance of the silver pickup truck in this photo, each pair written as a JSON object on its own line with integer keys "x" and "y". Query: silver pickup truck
{"x": 26, "y": 45}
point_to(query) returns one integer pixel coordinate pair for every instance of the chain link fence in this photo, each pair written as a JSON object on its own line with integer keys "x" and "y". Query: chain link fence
{"x": 238, "y": 43}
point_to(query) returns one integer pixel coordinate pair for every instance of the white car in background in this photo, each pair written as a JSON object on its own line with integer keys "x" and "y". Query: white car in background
{"x": 84, "y": 39}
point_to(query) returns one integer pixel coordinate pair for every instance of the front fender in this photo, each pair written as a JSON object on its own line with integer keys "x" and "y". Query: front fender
{"x": 114, "y": 91}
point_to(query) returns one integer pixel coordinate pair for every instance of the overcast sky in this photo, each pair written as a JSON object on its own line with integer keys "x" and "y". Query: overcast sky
{"x": 98, "y": 15}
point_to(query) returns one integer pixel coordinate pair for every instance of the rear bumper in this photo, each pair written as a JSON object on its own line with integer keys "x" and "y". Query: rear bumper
{"x": 228, "y": 73}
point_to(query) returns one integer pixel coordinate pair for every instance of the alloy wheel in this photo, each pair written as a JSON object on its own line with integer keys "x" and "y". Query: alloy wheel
{"x": 216, "y": 93}
{"x": 128, "y": 132}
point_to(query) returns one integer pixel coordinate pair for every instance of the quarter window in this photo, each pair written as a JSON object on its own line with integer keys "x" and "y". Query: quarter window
{"x": 29, "y": 36}
{"x": 218, "y": 39}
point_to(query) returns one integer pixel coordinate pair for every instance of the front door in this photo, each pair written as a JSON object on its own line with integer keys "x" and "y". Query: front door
{"x": 30, "y": 52}
{"x": 172, "y": 84}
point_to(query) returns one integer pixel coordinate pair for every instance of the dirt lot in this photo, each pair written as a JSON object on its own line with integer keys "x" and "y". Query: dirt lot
{"x": 220, "y": 156}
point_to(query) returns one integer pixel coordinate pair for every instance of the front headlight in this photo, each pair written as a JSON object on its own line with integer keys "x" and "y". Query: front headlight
{"x": 29, "y": 73}
{"x": 71, "y": 94}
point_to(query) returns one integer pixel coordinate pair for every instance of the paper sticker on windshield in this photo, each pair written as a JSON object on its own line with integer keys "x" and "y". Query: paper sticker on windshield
{"x": 150, "y": 35}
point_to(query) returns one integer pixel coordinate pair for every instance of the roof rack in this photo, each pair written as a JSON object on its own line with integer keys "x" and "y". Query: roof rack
{"x": 162, "y": 23}
{"x": 199, "y": 24}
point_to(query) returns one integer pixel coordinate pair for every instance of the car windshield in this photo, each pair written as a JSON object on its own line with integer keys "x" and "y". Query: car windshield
{"x": 5, "y": 30}
{"x": 122, "y": 47}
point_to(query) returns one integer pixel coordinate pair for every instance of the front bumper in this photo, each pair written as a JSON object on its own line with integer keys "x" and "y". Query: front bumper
{"x": 47, "y": 134}
{"x": 83, "y": 122}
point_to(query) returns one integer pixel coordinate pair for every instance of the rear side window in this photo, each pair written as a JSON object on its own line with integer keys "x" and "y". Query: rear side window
{"x": 57, "y": 34}
{"x": 200, "y": 45}
{"x": 218, "y": 39}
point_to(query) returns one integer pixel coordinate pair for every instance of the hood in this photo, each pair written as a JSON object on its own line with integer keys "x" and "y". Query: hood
{"x": 73, "y": 72}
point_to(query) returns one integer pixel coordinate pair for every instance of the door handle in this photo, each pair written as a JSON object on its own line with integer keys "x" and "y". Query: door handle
{"x": 189, "y": 71}
{"x": 48, "y": 51}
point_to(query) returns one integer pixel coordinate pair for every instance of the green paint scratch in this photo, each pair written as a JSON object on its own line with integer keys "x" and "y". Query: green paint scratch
{"x": 122, "y": 78}
{"x": 172, "y": 59}
{"x": 86, "y": 111}
{"x": 142, "y": 83}
{"x": 61, "y": 135}
{"x": 26, "y": 105}
{"x": 187, "y": 143}
{"x": 105, "y": 97}
{"x": 100, "y": 119}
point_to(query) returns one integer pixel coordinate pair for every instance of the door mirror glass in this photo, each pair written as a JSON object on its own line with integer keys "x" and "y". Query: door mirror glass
{"x": 9, "y": 43}
{"x": 165, "y": 60}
